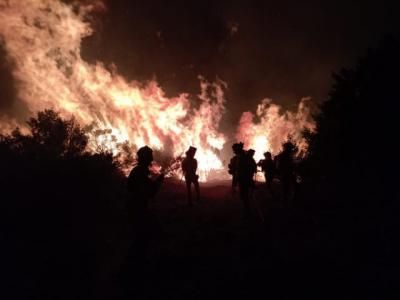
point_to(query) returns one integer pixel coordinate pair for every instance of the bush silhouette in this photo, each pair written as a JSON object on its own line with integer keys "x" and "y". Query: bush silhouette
{"x": 60, "y": 203}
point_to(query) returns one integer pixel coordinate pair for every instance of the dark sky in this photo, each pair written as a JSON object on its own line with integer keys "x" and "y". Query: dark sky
{"x": 284, "y": 50}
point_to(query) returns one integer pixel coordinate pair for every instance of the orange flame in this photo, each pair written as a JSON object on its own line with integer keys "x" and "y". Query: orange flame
{"x": 43, "y": 40}
{"x": 272, "y": 127}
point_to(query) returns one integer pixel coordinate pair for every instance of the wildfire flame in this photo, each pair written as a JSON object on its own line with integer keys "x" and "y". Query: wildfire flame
{"x": 273, "y": 127}
{"x": 43, "y": 40}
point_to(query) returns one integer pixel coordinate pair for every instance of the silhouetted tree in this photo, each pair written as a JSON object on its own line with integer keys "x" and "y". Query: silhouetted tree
{"x": 55, "y": 136}
{"x": 353, "y": 148}
{"x": 354, "y": 164}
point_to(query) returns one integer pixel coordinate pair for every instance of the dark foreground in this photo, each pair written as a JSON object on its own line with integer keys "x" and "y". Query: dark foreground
{"x": 71, "y": 248}
{"x": 209, "y": 251}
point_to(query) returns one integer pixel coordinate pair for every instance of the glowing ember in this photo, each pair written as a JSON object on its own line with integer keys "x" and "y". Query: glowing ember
{"x": 43, "y": 40}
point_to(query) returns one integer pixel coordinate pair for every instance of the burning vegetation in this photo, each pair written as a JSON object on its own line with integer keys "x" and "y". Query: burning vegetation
{"x": 67, "y": 208}
{"x": 43, "y": 38}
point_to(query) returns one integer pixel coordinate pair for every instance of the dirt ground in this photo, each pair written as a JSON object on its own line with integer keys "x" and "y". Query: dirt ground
{"x": 209, "y": 250}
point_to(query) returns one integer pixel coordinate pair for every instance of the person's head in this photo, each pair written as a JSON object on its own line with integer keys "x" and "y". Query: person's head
{"x": 191, "y": 152}
{"x": 289, "y": 147}
{"x": 145, "y": 156}
{"x": 251, "y": 152}
{"x": 237, "y": 148}
{"x": 268, "y": 155}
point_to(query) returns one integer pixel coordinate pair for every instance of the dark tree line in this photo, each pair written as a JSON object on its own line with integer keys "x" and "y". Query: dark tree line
{"x": 353, "y": 167}
{"x": 354, "y": 145}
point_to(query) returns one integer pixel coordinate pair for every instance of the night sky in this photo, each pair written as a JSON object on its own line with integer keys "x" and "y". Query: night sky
{"x": 283, "y": 50}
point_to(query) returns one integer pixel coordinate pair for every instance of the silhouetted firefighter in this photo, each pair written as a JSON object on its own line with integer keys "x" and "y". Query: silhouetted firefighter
{"x": 252, "y": 168}
{"x": 285, "y": 167}
{"x": 245, "y": 174}
{"x": 189, "y": 168}
{"x": 141, "y": 190}
{"x": 233, "y": 167}
{"x": 268, "y": 168}
{"x": 252, "y": 162}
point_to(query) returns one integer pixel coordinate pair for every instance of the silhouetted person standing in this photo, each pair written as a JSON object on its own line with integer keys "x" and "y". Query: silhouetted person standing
{"x": 268, "y": 168}
{"x": 285, "y": 166}
{"x": 189, "y": 168}
{"x": 233, "y": 167}
{"x": 252, "y": 162}
{"x": 141, "y": 187}
{"x": 245, "y": 179}
{"x": 141, "y": 190}
{"x": 253, "y": 169}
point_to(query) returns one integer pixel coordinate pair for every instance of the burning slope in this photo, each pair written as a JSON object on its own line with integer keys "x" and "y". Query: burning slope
{"x": 43, "y": 40}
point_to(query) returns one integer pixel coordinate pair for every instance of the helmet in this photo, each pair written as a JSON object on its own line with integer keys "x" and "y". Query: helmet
{"x": 144, "y": 154}
{"x": 289, "y": 147}
{"x": 251, "y": 152}
{"x": 191, "y": 151}
{"x": 237, "y": 147}
{"x": 267, "y": 154}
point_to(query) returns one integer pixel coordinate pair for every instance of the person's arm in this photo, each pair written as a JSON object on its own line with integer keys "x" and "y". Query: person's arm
{"x": 184, "y": 166}
{"x": 155, "y": 185}
{"x": 231, "y": 167}
{"x": 254, "y": 166}
{"x": 261, "y": 164}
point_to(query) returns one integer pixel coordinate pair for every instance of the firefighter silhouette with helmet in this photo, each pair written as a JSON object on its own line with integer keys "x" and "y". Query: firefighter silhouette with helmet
{"x": 189, "y": 168}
